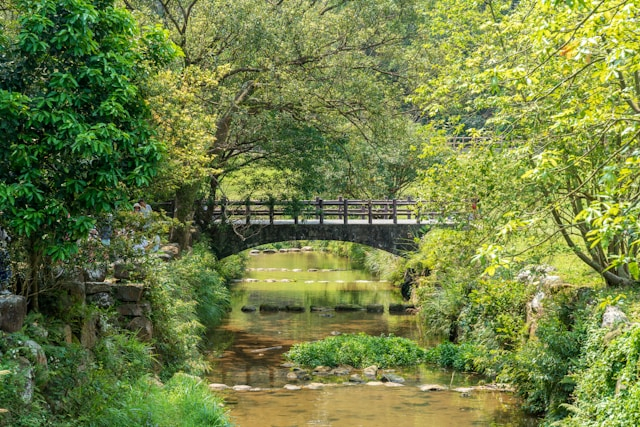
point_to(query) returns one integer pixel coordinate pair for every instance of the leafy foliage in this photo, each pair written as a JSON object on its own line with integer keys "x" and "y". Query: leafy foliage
{"x": 357, "y": 350}
{"x": 187, "y": 297}
{"x": 75, "y": 126}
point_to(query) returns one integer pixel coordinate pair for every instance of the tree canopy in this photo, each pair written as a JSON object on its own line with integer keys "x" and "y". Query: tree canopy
{"x": 75, "y": 126}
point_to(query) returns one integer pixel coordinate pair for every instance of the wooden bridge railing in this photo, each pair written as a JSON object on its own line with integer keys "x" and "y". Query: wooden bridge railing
{"x": 269, "y": 211}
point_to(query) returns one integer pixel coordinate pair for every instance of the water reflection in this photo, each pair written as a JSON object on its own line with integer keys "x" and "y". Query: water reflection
{"x": 248, "y": 347}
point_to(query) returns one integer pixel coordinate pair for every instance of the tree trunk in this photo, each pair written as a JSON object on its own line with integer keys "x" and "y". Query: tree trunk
{"x": 185, "y": 199}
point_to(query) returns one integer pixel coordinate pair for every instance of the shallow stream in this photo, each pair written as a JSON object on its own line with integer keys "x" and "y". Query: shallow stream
{"x": 247, "y": 350}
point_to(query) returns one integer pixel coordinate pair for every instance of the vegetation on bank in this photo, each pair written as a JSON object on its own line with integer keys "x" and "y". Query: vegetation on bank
{"x": 47, "y": 381}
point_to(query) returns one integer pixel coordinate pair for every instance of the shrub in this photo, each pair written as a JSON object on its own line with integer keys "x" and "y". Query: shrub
{"x": 357, "y": 350}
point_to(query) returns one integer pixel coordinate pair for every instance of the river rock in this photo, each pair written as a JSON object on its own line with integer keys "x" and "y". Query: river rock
{"x": 375, "y": 308}
{"x": 316, "y": 308}
{"x": 296, "y": 308}
{"x": 348, "y": 307}
{"x": 370, "y": 371}
{"x": 13, "y": 309}
{"x": 432, "y": 387}
{"x": 292, "y": 387}
{"x": 401, "y": 308}
{"x": 355, "y": 378}
{"x": 315, "y": 386}
{"x": 375, "y": 383}
{"x": 392, "y": 384}
{"x": 613, "y": 316}
{"x": 248, "y": 308}
{"x": 218, "y": 387}
{"x": 242, "y": 387}
{"x": 254, "y": 252}
{"x": 307, "y": 248}
{"x": 269, "y": 307}
{"x": 341, "y": 370}
{"x": 392, "y": 378}
{"x": 294, "y": 250}
{"x": 269, "y": 251}
{"x": 322, "y": 370}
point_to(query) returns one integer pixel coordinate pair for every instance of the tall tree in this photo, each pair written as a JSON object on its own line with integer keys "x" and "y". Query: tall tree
{"x": 303, "y": 75}
{"x": 562, "y": 80}
{"x": 74, "y": 124}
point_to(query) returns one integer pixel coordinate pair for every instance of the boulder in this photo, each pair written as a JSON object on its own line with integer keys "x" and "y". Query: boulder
{"x": 89, "y": 331}
{"x": 130, "y": 309}
{"x": 76, "y": 289}
{"x": 129, "y": 293}
{"x": 401, "y": 308}
{"x": 101, "y": 299}
{"x": 292, "y": 387}
{"x": 296, "y": 308}
{"x": 171, "y": 249}
{"x": 94, "y": 274}
{"x": 375, "y": 308}
{"x": 370, "y": 371}
{"x": 97, "y": 287}
{"x": 348, "y": 307}
{"x": 142, "y": 327}
{"x": 432, "y": 387}
{"x": 613, "y": 316}
{"x": 392, "y": 378}
{"x": 269, "y": 307}
{"x": 13, "y": 309}
{"x": 218, "y": 387}
{"x": 248, "y": 308}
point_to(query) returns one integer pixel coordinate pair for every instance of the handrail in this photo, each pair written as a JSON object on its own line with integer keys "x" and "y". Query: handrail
{"x": 319, "y": 210}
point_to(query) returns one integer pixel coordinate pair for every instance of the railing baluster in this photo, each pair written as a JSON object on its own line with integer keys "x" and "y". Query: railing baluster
{"x": 247, "y": 211}
{"x": 394, "y": 211}
{"x": 321, "y": 210}
{"x": 345, "y": 209}
{"x": 370, "y": 212}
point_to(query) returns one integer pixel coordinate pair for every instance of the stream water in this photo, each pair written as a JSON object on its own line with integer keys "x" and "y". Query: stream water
{"x": 247, "y": 350}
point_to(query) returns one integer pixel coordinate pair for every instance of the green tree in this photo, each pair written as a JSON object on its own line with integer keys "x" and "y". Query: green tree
{"x": 306, "y": 80}
{"x": 74, "y": 124}
{"x": 560, "y": 79}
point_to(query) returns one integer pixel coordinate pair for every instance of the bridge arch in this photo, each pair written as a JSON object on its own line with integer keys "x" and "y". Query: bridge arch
{"x": 397, "y": 239}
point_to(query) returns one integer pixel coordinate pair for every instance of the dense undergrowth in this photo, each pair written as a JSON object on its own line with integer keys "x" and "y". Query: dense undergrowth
{"x": 121, "y": 381}
{"x": 543, "y": 337}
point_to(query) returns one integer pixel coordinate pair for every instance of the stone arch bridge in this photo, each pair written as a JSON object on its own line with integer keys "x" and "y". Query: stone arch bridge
{"x": 390, "y": 225}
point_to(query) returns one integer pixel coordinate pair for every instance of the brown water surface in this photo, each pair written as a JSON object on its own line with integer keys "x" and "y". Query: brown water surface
{"x": 248, "y": 350}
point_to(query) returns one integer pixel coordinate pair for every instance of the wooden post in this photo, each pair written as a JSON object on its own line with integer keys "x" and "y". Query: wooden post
{"x": 370, "y": 212}
{"x": 395, "y": 211}
{"x": 223, "y": 210}
{"x": 320, "y": 210}
{"x": 272, "y": 212}
{"x": 247, "y": 211}
{"x": 340, "y": 208}
{"x": 345, "y": 210}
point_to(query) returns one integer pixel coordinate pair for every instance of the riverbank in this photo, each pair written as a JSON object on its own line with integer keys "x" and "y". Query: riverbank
{"x": 555, "y": 341}
{"x": 51, "y": 375}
